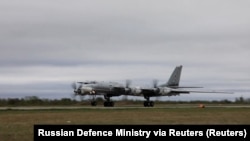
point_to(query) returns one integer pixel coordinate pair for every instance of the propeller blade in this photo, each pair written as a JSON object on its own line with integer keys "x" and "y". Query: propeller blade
{"x": 128, "y": 82}
{"x": 73, "y": 85}
{"x": 155, "y": 83}
{"x": 155, "y": 86}
{"x": 127, "y": 87}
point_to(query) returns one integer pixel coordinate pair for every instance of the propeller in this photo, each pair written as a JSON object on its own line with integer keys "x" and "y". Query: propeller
{"x": 74, "y": 86}
{"x": 128, "y": 82}
{"x": 155, "y": 85}
{"x": 127, "y": 89}
{"x": 73, "y": 96}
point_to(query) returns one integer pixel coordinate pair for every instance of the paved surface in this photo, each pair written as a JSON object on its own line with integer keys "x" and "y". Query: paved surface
{"x": 129, "y": 107}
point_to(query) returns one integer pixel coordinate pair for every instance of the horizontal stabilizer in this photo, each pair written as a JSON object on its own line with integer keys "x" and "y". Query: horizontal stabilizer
{"x": 87, "y": 82}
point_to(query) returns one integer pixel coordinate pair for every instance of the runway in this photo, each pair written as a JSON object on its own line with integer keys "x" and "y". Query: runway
{"x": 124, "y": 107}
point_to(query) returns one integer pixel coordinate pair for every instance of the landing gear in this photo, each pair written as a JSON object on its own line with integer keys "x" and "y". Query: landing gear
{"x": 108, "y": 102}
{"x": 148, "y": 103}
{"x": 93, "y": 101}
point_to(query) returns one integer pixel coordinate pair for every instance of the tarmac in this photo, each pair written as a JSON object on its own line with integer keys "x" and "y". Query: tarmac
{"x": 118, "y": 107}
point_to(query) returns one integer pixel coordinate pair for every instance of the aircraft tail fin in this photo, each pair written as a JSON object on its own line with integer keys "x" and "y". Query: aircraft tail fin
{"x": 175, "y": 77}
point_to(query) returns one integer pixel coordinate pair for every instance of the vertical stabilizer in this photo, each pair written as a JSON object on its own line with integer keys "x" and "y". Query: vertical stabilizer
{"x": 175, "y": 77}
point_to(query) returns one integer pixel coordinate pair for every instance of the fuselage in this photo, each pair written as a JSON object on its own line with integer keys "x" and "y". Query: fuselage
{"x": 100, "y": 88}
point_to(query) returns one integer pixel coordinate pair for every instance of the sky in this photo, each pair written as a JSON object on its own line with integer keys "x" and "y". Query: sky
{"x": 46, "y": 45}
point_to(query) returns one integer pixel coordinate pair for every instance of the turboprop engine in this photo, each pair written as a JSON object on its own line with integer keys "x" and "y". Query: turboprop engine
{"x": 136, "y": 90}
{"x": 165, "y": 91}
{"x": 86, "y": 90}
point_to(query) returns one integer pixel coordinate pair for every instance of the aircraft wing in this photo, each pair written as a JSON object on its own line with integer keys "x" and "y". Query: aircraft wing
{"x": 171, "y": 91}
{"x": 119, "y": 89}
{"x": 198, "y": 91}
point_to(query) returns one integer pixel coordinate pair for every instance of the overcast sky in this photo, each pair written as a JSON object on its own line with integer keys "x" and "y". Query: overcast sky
{"x": 48, "y": 44}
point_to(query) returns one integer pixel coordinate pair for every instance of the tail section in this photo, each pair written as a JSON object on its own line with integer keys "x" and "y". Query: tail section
{"x": 175, "y": 77}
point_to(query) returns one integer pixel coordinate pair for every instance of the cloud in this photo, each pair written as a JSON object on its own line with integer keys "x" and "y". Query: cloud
{"x": 47, "y": 42}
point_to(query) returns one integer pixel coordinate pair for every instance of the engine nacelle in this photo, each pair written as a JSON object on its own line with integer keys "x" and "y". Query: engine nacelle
{"x": 165, "y": 91}
{"x": 136, "y": 90}
{"x": 86, "y": 90}
{"x": 127, "y": 90}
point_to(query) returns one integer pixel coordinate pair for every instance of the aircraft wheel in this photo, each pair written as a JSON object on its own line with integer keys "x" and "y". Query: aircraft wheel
{"x": 151, "y": 104}
{"x": 105, "y": 104}
{"x": 111, "y": 104}
{"x": 93, "y": 103}
{"x": 148, "y": 104}
{"x": 108, "y": 104}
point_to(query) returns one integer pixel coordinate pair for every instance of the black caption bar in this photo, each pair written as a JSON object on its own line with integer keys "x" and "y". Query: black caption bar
{"x": 141, "y": 132}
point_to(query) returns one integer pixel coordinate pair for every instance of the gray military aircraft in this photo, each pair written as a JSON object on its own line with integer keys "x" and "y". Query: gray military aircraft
{"x": 110, "y": 89}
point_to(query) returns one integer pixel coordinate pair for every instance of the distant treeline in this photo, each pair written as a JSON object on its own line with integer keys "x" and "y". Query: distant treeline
{"x": 35, "y": 101}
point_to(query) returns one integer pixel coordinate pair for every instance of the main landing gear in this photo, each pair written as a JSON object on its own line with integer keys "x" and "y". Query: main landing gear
{"x": 107, "y": 103}
{"x": 93, "y": 101}
{"x": 148, "y": 103}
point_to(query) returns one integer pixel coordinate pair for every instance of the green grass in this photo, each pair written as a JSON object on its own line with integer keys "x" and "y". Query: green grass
{"x": 18, "y": 124}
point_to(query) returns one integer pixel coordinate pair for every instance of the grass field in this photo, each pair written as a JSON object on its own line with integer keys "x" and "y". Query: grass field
{"x": 18, "y": 124}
